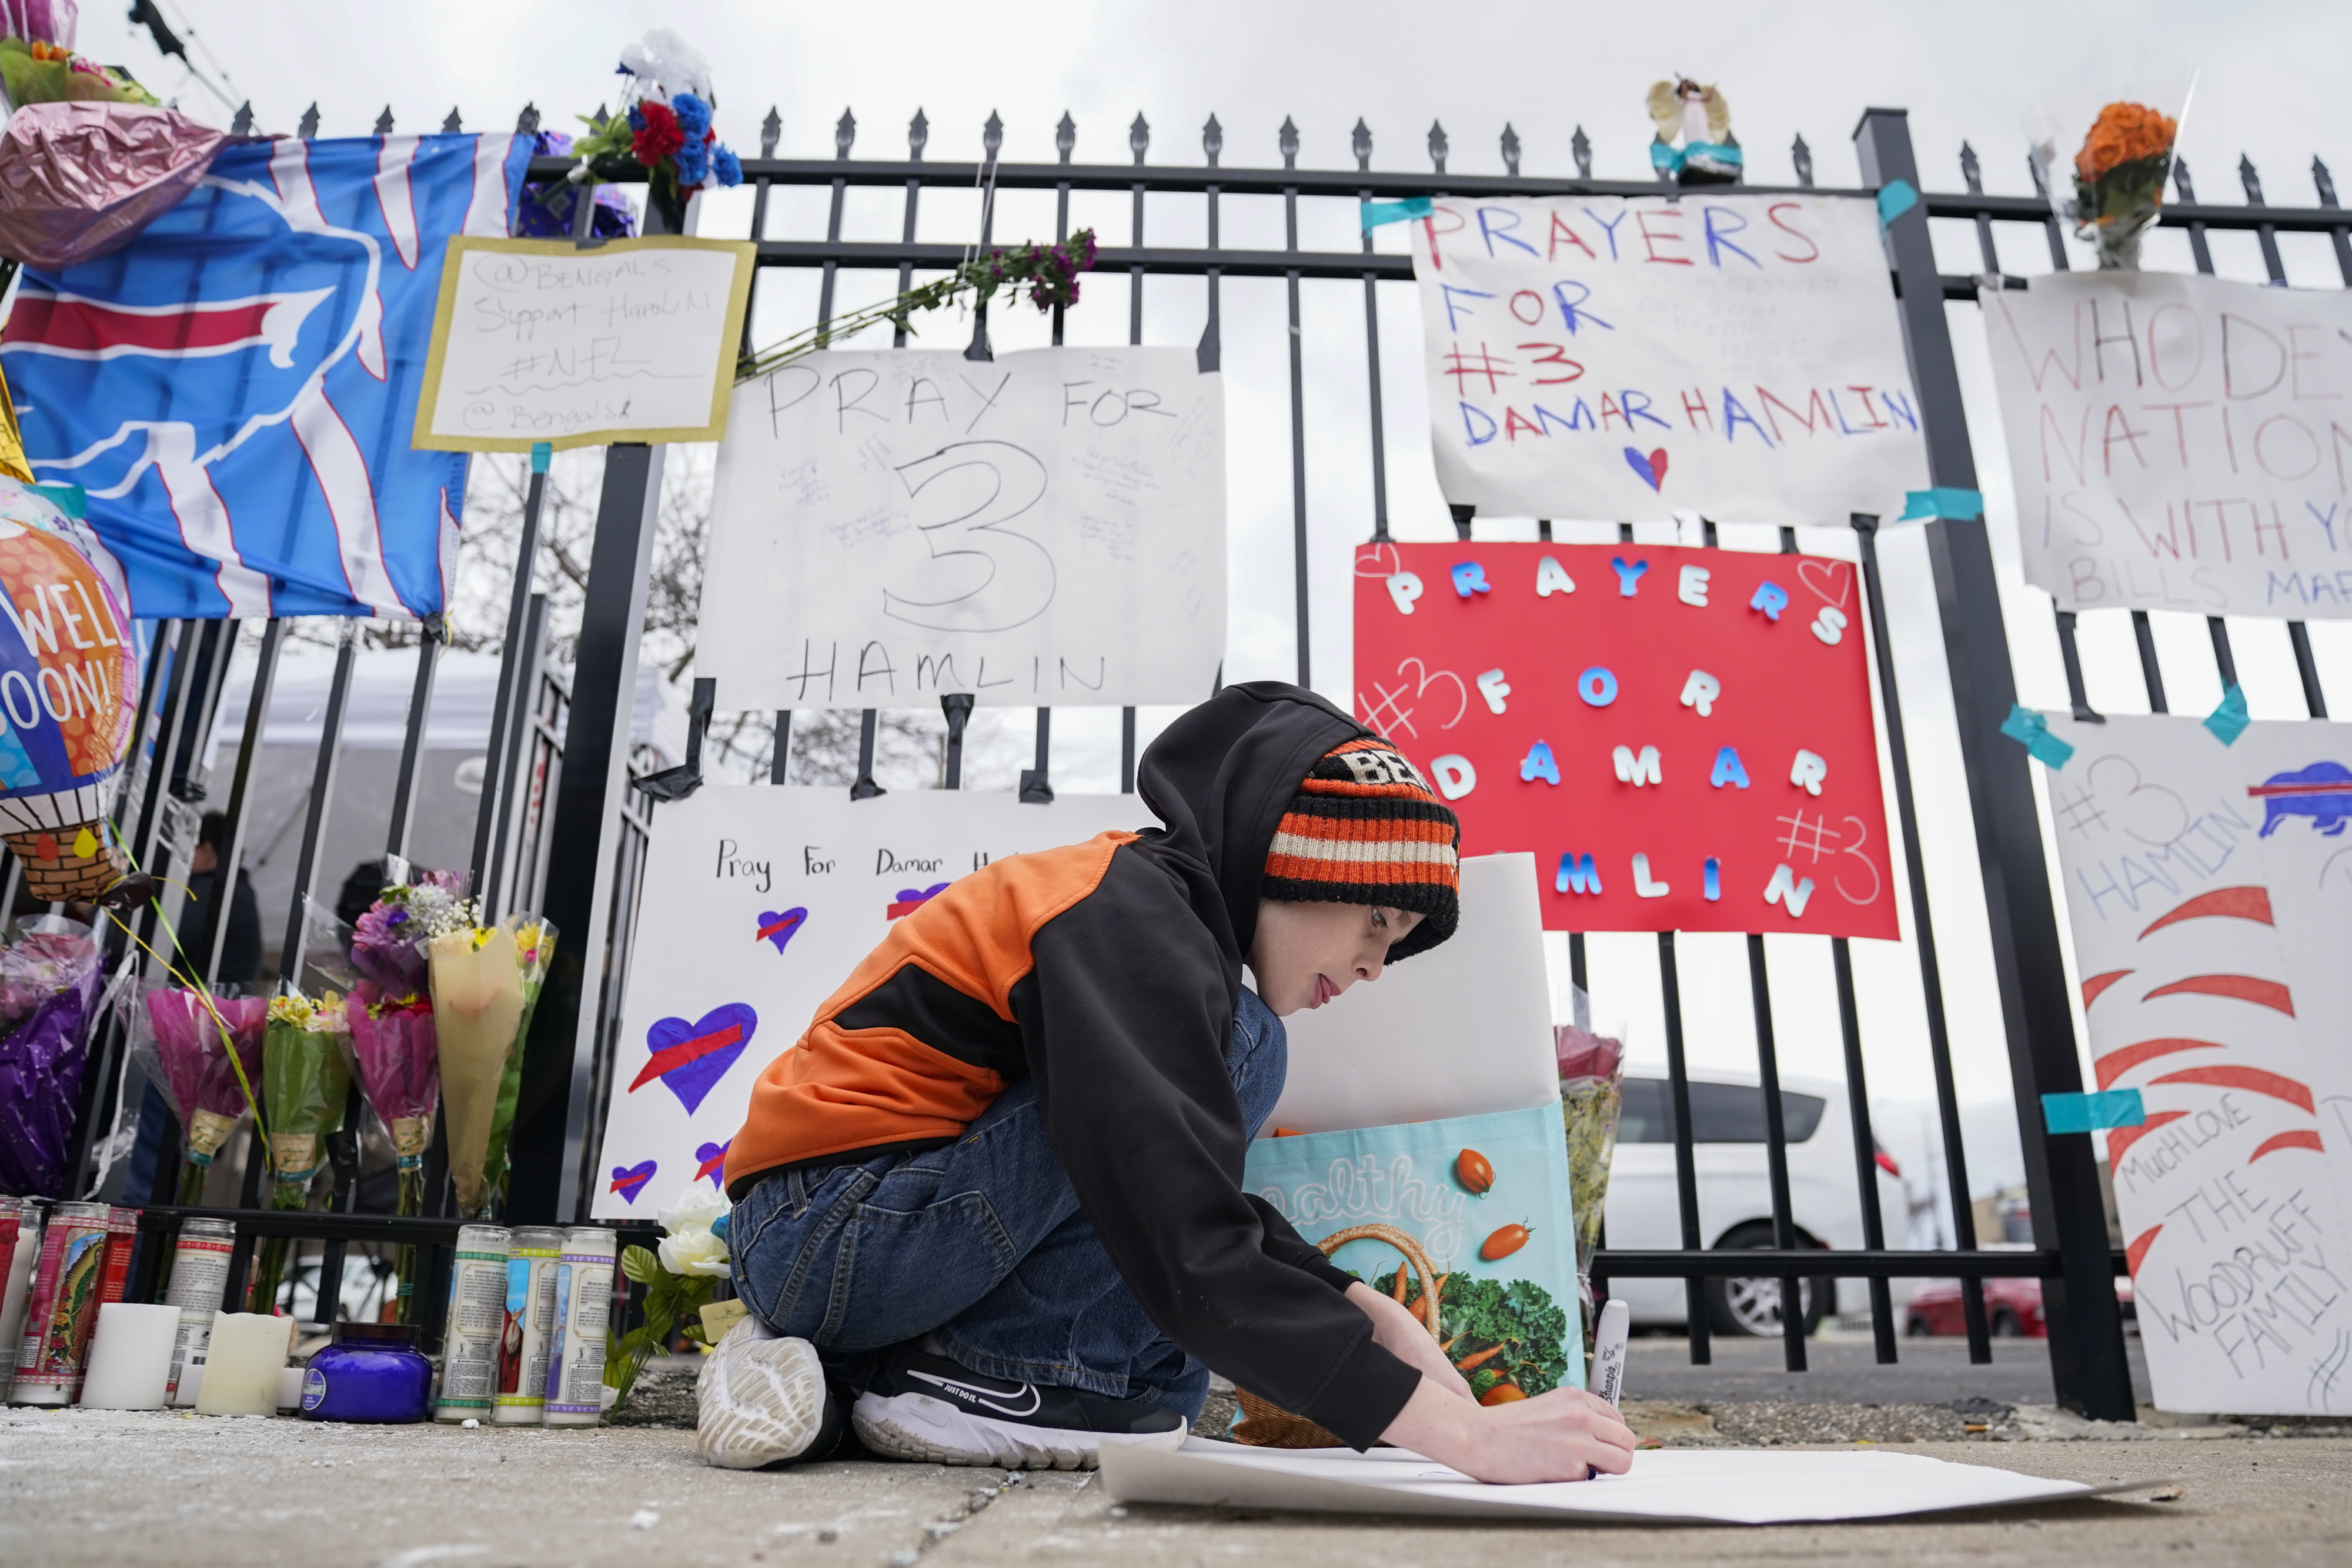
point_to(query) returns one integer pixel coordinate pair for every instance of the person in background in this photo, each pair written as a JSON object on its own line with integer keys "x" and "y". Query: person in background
{"x": 240, "y": 960}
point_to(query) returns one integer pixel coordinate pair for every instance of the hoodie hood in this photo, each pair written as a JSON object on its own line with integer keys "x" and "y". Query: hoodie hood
{"x": 1221, "y": 776}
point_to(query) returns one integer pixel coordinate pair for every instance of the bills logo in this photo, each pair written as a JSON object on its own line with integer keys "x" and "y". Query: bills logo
{"x": 234, "y": 389}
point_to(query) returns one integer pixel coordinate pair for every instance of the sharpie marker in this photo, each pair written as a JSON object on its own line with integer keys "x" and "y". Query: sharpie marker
{"x": 1609, "y": 1353}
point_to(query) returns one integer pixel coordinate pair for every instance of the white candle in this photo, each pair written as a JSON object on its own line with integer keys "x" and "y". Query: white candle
{"x": 130, "y": 1357}
{"x": 289, "y": 1388}
{"x": 247, "y": 1352}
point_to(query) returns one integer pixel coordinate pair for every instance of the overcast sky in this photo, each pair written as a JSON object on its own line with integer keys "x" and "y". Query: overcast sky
{"x": 2273, "y": 79}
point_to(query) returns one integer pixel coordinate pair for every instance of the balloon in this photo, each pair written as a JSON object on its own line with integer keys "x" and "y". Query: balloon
{"x": 68, "y": 682}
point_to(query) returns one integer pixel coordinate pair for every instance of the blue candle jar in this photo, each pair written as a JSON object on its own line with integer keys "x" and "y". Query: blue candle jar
{"x": 371, "y": 1372}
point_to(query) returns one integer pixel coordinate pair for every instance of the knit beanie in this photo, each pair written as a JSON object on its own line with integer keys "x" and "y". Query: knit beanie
{"x": 1365, "y": 827}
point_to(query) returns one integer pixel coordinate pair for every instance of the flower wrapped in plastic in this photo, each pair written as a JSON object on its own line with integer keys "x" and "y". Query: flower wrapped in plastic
{"x": 477, "y": 1000}
{"x": 306, "y": 1078}
{"x": 534, "y": 951}
{"x": 665, "y": 126}
{"x": 387, "y": 946}
{"x": 48, "y": 996}
{"x": 1592, "y": 1092}
{"x": 2112, "y": 191}
{"x": 205, "y": 1053}
{"x": 397, "y": 1059}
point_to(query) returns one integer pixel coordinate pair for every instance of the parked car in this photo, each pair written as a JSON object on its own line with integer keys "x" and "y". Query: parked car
{"x": 2012, "y": 1308}
{"x": 1735, "y": 1198}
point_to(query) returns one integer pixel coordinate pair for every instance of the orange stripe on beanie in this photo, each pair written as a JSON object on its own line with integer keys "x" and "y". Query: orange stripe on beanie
{"x": 1366, "y": 828}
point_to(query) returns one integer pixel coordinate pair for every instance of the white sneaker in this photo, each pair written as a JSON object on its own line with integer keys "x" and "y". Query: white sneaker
{"x": 762, "y": 1401}
{"x": 927, "y": 1408}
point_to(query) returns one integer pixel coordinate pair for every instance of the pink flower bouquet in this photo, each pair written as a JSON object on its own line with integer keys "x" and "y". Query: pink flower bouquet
{"x": 186, "y": 1043}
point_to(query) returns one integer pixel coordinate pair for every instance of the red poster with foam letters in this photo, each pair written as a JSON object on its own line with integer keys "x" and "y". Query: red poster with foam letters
{"x": 1683, "y": 738}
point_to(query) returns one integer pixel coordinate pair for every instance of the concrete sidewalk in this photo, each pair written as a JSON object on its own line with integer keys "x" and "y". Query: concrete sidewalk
{"x": 88, "y": 1486}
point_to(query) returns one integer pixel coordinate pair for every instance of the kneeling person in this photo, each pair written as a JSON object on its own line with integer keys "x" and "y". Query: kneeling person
{"x": 989, "y": 1208}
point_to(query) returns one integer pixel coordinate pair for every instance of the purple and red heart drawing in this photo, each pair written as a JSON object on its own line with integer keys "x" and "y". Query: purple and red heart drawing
{"x": 1653, "y": 468}
{"x": 780, "y": 928}
{"x": 911, "y": 899}
{"x": 712, "y": 1158}
{"x": 692, "y": 1057}
{"x": 630, "y": 1180}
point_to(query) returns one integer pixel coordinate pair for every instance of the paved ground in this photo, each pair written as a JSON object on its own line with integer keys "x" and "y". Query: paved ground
{"x": 1843, "y": 1366}
{"x": 185, "y": 1491}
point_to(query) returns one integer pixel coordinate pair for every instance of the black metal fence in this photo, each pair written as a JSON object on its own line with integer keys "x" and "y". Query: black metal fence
{"x": 553, "y": 786}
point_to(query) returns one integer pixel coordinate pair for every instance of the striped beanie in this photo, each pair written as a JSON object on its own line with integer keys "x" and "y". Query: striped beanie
{"x": 1365, "y": 827}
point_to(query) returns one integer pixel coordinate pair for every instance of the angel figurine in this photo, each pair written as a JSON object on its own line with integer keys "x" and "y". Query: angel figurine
{"x": 1709, "y": 155}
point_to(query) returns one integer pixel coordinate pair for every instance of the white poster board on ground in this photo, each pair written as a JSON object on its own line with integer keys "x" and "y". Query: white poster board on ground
{"x": 758, "y": 900}
{"x": 1460, "y": 1030}
{"x": 1044, "y": 529}
{"x": 2209, "y": 889}
{"x": 2178, "y": 442}
{"x": 1627, "y": 358}
{"x": 539, "y": 340}
{"x": 1664, "y": 1487}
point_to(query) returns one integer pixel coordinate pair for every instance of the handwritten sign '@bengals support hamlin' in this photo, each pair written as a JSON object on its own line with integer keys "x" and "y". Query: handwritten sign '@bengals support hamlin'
{"x": 1683, "y": 737}
{"x": 2179, "y": 442}
{"x": 1624, "y": 359}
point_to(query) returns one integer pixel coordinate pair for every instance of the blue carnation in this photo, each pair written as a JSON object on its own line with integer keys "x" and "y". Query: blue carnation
{"x": 693, "y": 161}
{"x": 636, "y": 118}
{"x": 728, "y": 168}
{"x": 693, "y": 114}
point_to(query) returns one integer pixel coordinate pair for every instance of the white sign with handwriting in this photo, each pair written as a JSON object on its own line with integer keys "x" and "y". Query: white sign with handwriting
{"x": 759, "y": 902}
{"x": 2209, "y": 889}
{"x": 1047, "y": 528}
{"x": 540, "y": 340}
{"x": 2179, "y": 442}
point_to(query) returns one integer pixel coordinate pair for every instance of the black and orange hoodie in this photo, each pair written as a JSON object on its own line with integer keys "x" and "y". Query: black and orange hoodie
{"x": 1107, "y": 972}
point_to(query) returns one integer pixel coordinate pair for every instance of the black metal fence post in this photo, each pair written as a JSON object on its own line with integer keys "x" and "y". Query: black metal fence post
{"x": 2087, "y": 1367}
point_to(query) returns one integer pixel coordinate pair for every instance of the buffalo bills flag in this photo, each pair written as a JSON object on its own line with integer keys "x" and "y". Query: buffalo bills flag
{"x": 234, "y": 389}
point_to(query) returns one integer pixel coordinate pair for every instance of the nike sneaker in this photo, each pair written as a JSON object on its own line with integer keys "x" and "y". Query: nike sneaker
{"x": 926, "y": 1407}
{"x": 762, "y": 1400}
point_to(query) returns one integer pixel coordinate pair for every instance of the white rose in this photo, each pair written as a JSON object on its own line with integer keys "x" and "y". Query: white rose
{"x": 695, "y": 1252}
{"x": 694, "y": 1208}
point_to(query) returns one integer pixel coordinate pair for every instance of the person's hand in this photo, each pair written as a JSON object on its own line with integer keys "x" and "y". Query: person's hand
{"x": 1396, "y": 1329}
{"x": 1566, "y": 1435}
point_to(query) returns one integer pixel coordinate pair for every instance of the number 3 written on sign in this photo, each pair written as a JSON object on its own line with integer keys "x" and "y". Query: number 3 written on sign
{"x": 980, "y": 576}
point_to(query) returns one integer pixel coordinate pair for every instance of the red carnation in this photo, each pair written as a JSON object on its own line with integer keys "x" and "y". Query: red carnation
{"x": 660, "y": 137}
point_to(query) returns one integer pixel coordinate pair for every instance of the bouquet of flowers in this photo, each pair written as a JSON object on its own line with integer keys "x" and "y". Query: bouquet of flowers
{"x": 204, "y": 1051}
{"x": 477, "y": 974}
{"x": 1592, "y": 1092}
{"x": 36, "y": 71}
{"x": 49, "y": 993}
{"x": 666, "y": 127}
{"x": 2119, "y": 178}
{"x": 306, "y": 1077}
{"x": 388, "y": 945}
{"x": 678, "y": 1281}
{"x": 534, "y": 950}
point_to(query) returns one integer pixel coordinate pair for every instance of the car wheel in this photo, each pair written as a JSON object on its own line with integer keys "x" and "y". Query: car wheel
{"x": 1916, "y": 1327}
{"x": 2005, "y": 1324}
{"x": 1750, "y": 1308}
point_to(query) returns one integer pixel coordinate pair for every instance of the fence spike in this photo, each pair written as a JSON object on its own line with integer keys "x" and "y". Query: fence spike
{"x": 1971, "y": 171}
{"x": 2326, "y": 181}
{"x": 1212, "y": 141}
{"x": 771, "y": 130}
{"x": 1362, "y": 142}
{"x": 1802, "y": 157}
{"x": 242, "y": 124}
{"x": 2251, "y": 181}
{"x": 384, "y": 121}
{"x": 992, "y": 135}
{"x": 527, "y": 122}
{"x": 598, "y": 120}
{"x": 918, "y": 136}
{"x": 1138, "y": 136}
{"x": 310, "y": 126}
{"x": 845, "y": 134}
{"x": 1581, "y": 147}
{"x": 453, "y": 125}
{"x": 2181, "y": 181}
{"x": 1510, "y": 150}
{"x": 1437, "y": 145}
{"x": 1066, "y": 136}
{"x": 1287, "y": 141}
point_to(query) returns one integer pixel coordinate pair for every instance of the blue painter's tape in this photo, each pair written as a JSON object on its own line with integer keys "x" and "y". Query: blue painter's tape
{"x": 2081, "y": 1113}
{"x": 1379, "y": 213}
{"x": 2230, "y": 720}
{"x": 1942, "y": 502}
{"x": 2031, "y": 731}
{"x": 1894, "y": 199}
{"x": 540, "y": 453}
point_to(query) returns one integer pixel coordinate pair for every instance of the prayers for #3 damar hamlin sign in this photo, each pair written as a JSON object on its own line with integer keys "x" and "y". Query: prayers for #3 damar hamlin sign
{"x": 1044, "y": 529}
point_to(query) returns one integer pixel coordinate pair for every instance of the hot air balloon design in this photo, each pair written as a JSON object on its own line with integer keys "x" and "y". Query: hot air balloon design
{"x": 69, "y": 672}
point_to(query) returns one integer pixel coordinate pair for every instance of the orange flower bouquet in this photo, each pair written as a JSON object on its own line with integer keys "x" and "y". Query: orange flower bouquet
{"x": 2119, "y": 178}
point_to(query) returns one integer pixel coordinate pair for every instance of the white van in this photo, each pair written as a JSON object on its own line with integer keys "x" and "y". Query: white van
{"x": 1734, "y": 1196}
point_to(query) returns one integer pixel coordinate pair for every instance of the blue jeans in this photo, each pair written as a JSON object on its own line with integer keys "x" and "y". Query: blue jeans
{"x": 979, "y": 1244}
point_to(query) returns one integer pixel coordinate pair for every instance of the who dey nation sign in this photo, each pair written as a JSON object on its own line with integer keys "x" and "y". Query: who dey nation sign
{"x": 1681, "y": 736}
{"x": 1619, "y": 358}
